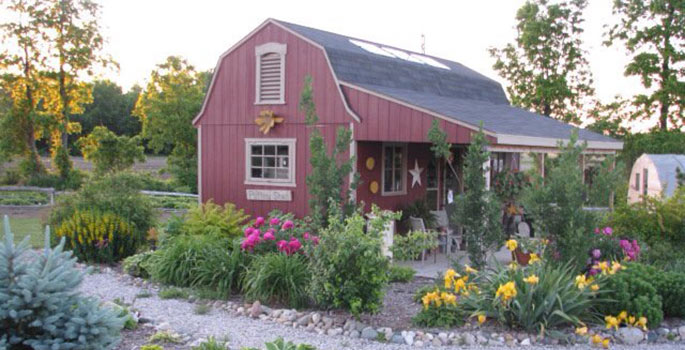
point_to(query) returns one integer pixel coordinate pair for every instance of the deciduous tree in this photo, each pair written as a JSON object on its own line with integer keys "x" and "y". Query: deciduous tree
{"x": 109, "y": 152}
{"x": 653, "y": 31}
{"x": 546, "y": 66}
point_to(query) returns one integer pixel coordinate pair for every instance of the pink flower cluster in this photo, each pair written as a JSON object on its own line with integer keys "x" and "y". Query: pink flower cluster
{"x": 630, "y": 249}
{"x": 607, "y": 231}
{"x": 274, "y": 229}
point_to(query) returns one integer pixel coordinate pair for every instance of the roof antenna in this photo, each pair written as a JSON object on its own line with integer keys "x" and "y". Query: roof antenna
{"x": 423, "y": 44}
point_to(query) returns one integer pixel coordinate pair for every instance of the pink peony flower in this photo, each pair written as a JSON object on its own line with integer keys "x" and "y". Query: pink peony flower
{"x": 596, "y": 230}
{"x": 596, "y": 253}
{"x": 274, "y": 221}
{"x": 259, "y": 221}
{"x": 294, "y": 245}
{"x": 269, "y": 236}
{"x": 282, "y": 245}
{"x": 306, "y": 235}
{"x": 608, "y": 231}
{"x": 315, "y": 240}
{"x": 287, "y": 225}
{"x": 248, "y": 231}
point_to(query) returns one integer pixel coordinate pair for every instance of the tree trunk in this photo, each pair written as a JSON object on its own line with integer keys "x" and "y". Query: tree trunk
{"x": 30, "y": 132}
{"x": 665, "y": 73}
{"x": 65, "y": 104}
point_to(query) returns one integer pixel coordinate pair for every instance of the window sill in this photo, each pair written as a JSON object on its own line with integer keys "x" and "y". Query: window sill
{"x": 262, "y": 103}
{"x": 270, "y": 183}
{"x": 391, "y": 194}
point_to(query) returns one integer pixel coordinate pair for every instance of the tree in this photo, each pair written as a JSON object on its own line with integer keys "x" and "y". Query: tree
{"x": 21, "y": 59}
{"x": 326, "y": 182}
{"x": 166, "y": 109}
{"x": 109, "y": 152}
{"x": 111, "y": 108}
{"x": 657, "y": 142}
{"x": 654, "y": 32}
{"x": 478, "y": 209}
{"x": 545, "y": 66}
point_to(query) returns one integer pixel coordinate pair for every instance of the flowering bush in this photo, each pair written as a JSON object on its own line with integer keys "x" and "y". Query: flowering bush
{"x": 277, "y": 233}
{"x": 440, "y": 307}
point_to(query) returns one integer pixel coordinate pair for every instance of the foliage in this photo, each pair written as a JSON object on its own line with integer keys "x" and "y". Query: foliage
{"x": 111, "y": 108}
{"x": 23, "y": 198}
{"x": 280, "y": 344}
{"x": 440, "y": 147}
{"x": 327, "y": 179}
{"x": 173, "y": 293}
{"x": 654, "y": 142}
{"x": 202, "y": 309}
{"x": 556, "y": 205}
{"x": 410, "y": 246}
{"x": 62, "y": 162}
{"x": 632, "y": 292}
{"x": 166, "y": 108}
{"x": 109, "y": 152}
{"x": 278, "y": 277}
{"x": 536, "y": 298}
{"x": 348, "y": 268}
{"x": 74, "y": 181}
{"x": 118, "y": 194}
{"x": 443, "y": 316}
{"x": 177, "y": 260}
{"x": 40, "y": 307}
{"x": 210, "y": 344}
{"x": 418, "y": 209}
{"x": 173, "y": 202}
{"x": 653, "y": 220}
{"x": 151, "y": 347}
{"x": 508, "y": 184}
{"x": 210, "y": 218}
{"x": 670, "y": 285}
{"x": 653, "y": 32}
{"x": 97, "y": 237}
{"x": 478, "y": 210}
{"x": 282, "y": 233}
{"x": 546, "y": 66}
{"x": 138, "y": 265}
{"x": 402, "y": 274}
{"x": 222, "y": 270}
{"x": 605, "y": 181}
{"x": 165, "y": 337}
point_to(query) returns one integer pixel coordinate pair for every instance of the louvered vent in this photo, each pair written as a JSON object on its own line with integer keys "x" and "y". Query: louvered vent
{"x": 270, "y": 78}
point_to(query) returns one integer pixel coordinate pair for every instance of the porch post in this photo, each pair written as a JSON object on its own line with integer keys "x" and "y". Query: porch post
{"x": 353, "y": 153}
{"x": 486, "y": 167}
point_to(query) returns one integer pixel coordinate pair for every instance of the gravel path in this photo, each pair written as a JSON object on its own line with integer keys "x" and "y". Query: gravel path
{"x": 108, "y": 285}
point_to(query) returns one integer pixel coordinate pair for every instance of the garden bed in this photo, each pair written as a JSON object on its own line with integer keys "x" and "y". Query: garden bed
{"x": 24, "y": 198}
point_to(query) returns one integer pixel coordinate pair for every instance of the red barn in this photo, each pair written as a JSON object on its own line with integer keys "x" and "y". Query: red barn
{"x": 253, "y": 140}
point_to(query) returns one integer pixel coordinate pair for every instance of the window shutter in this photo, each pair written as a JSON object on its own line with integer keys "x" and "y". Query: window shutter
{"x": 270, "y": 77}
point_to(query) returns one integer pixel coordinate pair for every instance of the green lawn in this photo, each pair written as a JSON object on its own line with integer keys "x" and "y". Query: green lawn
{"x": 22, "y": 227}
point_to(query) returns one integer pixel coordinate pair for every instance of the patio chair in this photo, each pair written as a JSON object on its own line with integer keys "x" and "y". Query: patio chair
{"x": 417, "y": 224}
{"x": 453, "y": 238}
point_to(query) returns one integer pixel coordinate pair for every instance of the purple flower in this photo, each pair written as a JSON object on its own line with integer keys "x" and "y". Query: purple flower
{"x": 608, "y": 231}
{"x": 287, "y": 225}
{"x": 274, "y": 221}
{"x": 596, "y": 253}
{"x": 597, "y": 230}
{"x": 259, "y": 221}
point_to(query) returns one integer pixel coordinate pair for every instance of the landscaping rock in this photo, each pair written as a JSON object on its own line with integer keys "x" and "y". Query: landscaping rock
{"x": 437, "y": 342}
{"x": 327, "y": 322}
{"x": 397, "y": 339}
{"x": 369, "y": 333}
{"x": 354, "y": 334}
{"x": 387, "y": 331}
{"x": 408, "y": 337}
{"x": 304, "y": 320}
{"x": 469, "y": 339}
{"x": 525, "y": 342}
{"x": 681, "y": 332}
{"x": 316, "y": 317}
{"x": 334, "y": 331}
{"x": 630, "y": 335}
{"x": 256, "y": 309}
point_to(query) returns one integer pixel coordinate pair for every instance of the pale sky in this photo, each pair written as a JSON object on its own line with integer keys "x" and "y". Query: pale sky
{"x": 143, "y": 33}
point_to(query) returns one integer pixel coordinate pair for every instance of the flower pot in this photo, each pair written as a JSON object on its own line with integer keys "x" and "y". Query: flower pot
{"x": 520, "y": 257}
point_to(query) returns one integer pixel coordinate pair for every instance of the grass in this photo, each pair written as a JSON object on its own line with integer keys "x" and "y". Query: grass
{"x": 173, "y": 293}
{"x": 173, "y": 202}
{"x": 22, "y": 227}
{"x": 23, "y": 198}
{"x": 202, "y": 309}
{"x": 165, "y": 337}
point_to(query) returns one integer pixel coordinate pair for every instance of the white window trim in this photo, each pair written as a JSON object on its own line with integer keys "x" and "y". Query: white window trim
{"x": 291, "y": 143}
{"x": 403, "y": 171}
{"x": 261, "y": 50}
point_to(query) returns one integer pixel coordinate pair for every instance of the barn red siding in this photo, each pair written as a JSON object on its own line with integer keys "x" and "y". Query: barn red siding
{"x": 230, "y": 113}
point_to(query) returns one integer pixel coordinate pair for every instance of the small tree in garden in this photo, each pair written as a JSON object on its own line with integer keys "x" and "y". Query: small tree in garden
{"x": 478, "y": 209}
{"x": 109, "y": 152}
{"x": 327, "y": 179}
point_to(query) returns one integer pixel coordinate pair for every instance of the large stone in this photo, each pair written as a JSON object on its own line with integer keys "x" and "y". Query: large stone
{"x": 349, "y": 324}
{"x": 397, "y": 339}
{"x": 334, "y": 331}
{"x": 681, "y": 332}
{"x": 630, "y": 335}
{"x": 354, "y": 334}
{"x": 316, "y": 317}
{"x": 304, "y": 320}
{"x": 525, "y": 342}
{"x": 469, "y": 339}
{"x": 387, "y": 331}
{"x": 408, "y": 337}
{"x": 443, "y": 337}
{"x": 369, "y": 333}
{"x": 256, "y": 309}
{"x": 327, "y": 322}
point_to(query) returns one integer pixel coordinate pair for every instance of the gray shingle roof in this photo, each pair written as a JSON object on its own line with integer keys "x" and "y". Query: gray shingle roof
{"x": 459, "y": 93}
{"x": 666, "y": 165}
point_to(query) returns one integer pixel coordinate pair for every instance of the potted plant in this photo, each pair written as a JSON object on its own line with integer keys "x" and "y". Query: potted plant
{"x": 526, "y": 251}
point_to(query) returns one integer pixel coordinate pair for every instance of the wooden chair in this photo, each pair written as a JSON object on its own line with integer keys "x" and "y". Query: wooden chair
{"x": 417, "y": 224}
{"x": 453, "y": 238}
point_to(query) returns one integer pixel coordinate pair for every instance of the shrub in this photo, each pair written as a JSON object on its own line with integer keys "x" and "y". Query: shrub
{"x": 138, "y": 265}
{"x": 280, "y": 344}
{"x": 176, "y": 262}
{"x": 23, "y": 198}
{"x": 402, "y": 274}
{"x": 348, "y": 268}
{"x": 670, "y": 285}
{"x": 73, "y": 181}
{"x": 210, "y": 344}
{"x": 536, "y": 298}
{"x": 632, "y": 291}
{"x": 173, "y": 293}
{"x": 281, "y": 233}
{"x": 95, "y": 237}
{"x": 40, "y": 307}
{"x": 118, "y": 194}
{"x": 213, "y": 219}
{"x": 221, "y": 269}
{"x": 278, "y": 277}
{"x": 110, "y": 152}
{"x": 411, "y": 245}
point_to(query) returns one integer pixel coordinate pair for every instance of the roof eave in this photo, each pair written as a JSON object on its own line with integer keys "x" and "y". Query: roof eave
{"x": 533, "y": 141}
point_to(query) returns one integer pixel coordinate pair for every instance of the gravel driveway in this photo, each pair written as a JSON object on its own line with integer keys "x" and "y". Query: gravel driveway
{"x": 108, "y": 285}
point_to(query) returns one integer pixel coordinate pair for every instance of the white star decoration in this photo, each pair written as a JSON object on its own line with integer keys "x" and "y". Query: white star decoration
{"x": 415, "y": 174}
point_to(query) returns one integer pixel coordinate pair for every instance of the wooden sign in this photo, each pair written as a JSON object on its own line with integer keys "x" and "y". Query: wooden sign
{"x": 270, "y": 195}
{"x": 267, "y": 120}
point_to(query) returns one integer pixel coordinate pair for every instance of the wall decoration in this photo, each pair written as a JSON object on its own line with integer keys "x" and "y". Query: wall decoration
{"x": 415, "y": 174}
{"x": 370, "y": 163}
{"x": 267, "y": 120}
{"x": 373, "y": 187}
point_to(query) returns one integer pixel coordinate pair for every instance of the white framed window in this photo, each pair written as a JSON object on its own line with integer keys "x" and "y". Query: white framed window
{"x": 394, "y": 177}
{"x": 270, "y": 71}
{"x": 270, "y": 162}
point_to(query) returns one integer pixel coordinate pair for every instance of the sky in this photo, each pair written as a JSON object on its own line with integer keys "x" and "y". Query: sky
{"x": 143, "y": 33}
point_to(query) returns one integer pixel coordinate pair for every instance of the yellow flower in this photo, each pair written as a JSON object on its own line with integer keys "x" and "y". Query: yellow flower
{"x": 459, "y": 285}
{"x": 506, "y": 291}
{"x": 469, "y": 269}
{"x": 642, "y": 322}
{"x": 511, "y": 244}
{"x": 631, "y": 320}
{"x": 603, "y": 266}
{"x": 615, "y": 266}
{"x": 533, "y": 258}
{"x": 605, "y": 343}
{"x": 596, "y": 339}
{"x": 544, "y": 241}
{"x": 622, "y": 316}
{"x": 481, "y": 319}
{"x": 513, "y": 265}
{"x": 532, "y": 279}
{"x": 581, "y": 281}
{"x": 449, "y": 298}
{"x": 612, "y": 322}
{"x": 594, "y": 287}
{"x": 449, "y": 277}
{"x": 581, "y": 330}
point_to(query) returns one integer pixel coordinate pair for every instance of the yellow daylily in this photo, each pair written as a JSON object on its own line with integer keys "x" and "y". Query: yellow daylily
{"x": 481, "y": 319}
{"x": 469, "y": 269}
{"x": 581, "y": 330}
{"x": 605, "y": 343}
{"x": 623, "y": 315}
{"x": 449, "y": 298}
{"x": 532, "y": 279}
{"x": 594, "y": 287}
{"x": 506, "y": 291}
{"x": 631, "y": 320}
{"x": 612, "y": 322}
{"x": 581, "y": 281}
{"x": 533, "y": 258}
{"x": 512, "y": 244}
{"x": 642, "y": 322}
{"x": 596, "y": 339}
{"x": 603, "y": 266}
{"x": 513, "y": 265}
{"x": 615, "y": 267}
{"x": 449, "y": 277}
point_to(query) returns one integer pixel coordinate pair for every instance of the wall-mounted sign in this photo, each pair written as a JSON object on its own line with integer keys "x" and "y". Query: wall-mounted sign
{"x": 267, "y": 120}
{"x": 373, "y": 187}
{"x": 270, "y": 195}
{"x": 370, "y": 163}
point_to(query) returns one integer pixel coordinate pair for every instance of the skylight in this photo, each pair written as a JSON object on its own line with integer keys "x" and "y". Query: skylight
{"x": 395, "y": 53}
